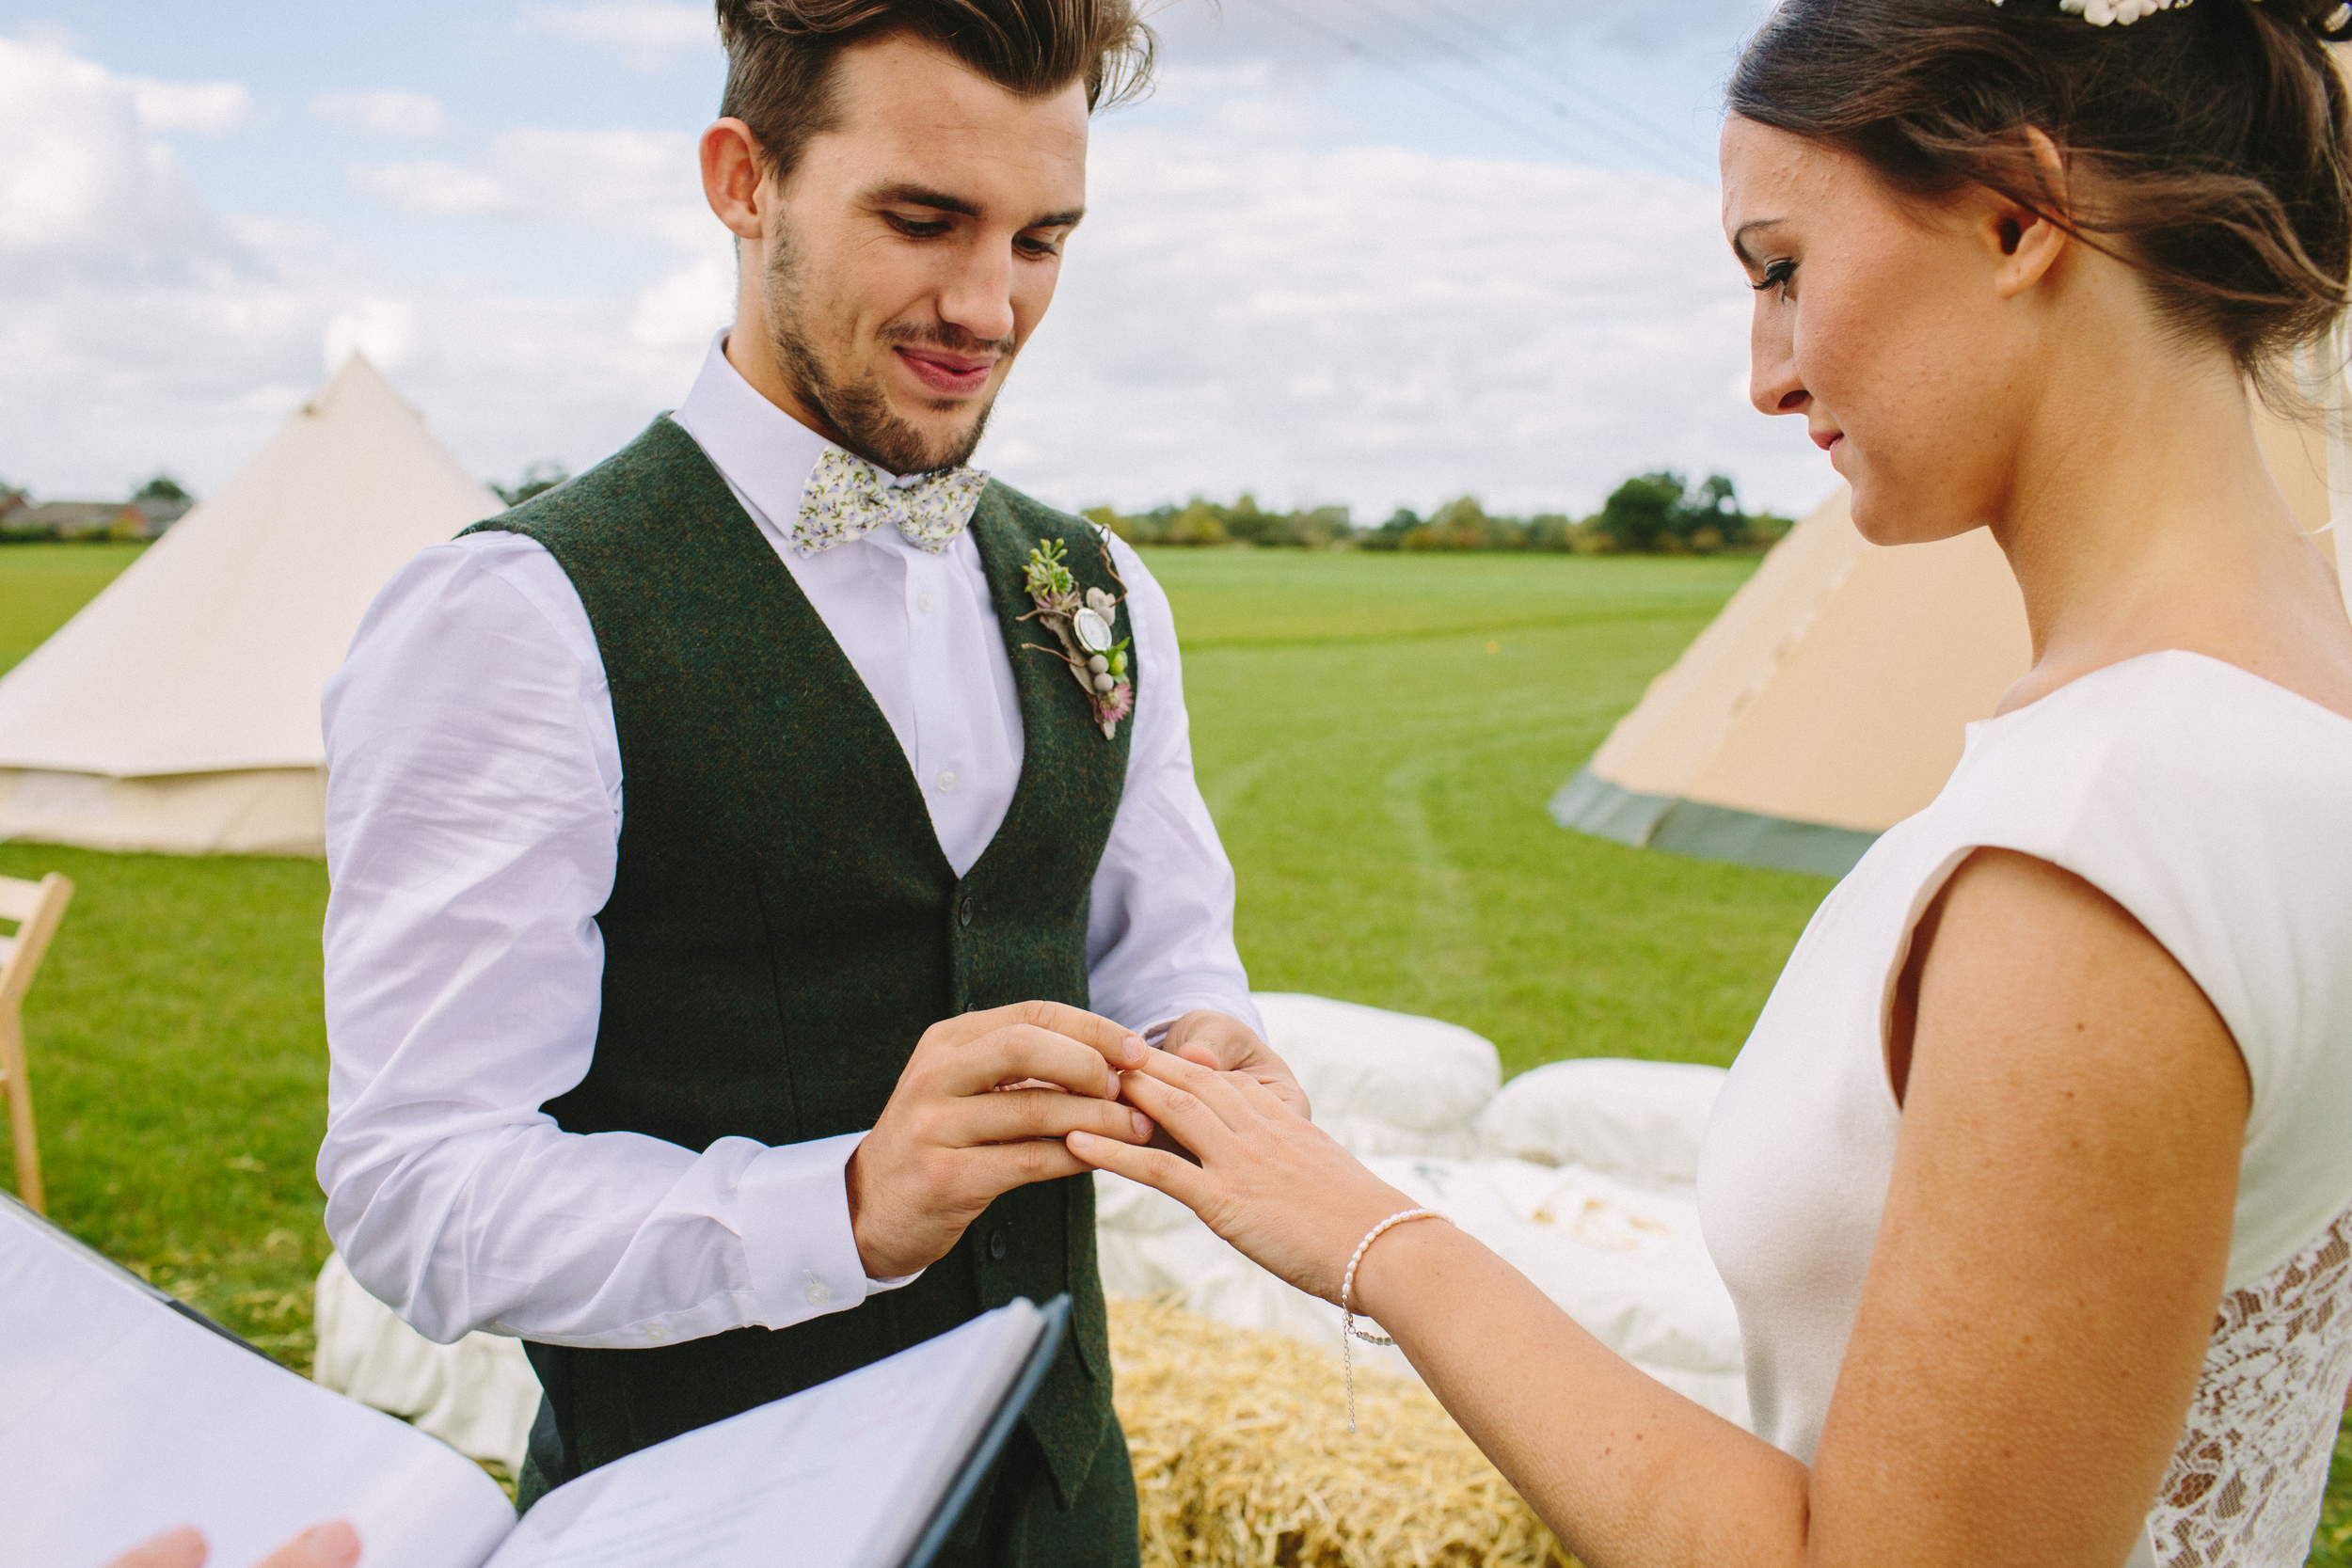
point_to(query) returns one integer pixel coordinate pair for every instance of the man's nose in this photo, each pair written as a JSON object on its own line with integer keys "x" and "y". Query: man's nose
{"x": 979, "y": 294}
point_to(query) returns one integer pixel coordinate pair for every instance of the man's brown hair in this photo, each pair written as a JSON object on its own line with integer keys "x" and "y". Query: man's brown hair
{"x": 780, "y": 54}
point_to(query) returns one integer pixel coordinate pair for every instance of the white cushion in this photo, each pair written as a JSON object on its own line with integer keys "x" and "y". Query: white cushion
{"x": 1640, "y": 1122}
{"x": 1384, "y": 1083}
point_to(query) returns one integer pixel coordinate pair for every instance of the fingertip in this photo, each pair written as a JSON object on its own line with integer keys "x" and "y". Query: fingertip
{"x": 333, "y": 1545}
{"x": 1081, "y": 1144}
{"x": 1142, "y": 1125}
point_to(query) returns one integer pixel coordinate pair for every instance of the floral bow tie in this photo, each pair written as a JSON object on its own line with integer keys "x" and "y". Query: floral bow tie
{"x": 848, "y": 497}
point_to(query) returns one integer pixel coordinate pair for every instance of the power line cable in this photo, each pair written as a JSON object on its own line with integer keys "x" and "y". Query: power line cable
{"x": 1602, "y": 128}
{"x": 1356, "y": 47}
{"x": 1510, "y": 50}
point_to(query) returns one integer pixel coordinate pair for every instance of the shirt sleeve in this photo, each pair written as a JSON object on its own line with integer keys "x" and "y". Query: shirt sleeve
{"x": 1160, "y": 935}
{"x": 474, "y": 811}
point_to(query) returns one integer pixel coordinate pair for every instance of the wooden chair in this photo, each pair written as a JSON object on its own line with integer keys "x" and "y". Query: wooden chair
{"x": 35, "y": 908}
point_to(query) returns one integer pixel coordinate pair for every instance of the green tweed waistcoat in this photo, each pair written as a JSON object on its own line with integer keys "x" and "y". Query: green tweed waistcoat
{"x": 783, "y": 924}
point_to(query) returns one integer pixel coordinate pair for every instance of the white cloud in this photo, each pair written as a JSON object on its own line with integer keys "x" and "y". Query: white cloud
{"x": 1382, "y": 326}
{"x": 141, "y": 329}
{"x": 383, "y": 112}
{"x": 82, "y": 180}
{"x": 208, "y": 107}
{"x": 434, "y": 189}
{"x": 383, "y": 329}
{"x": 650, "y": 32}
{"x": 644, "y": 183}
{"x": 1241, "y": 309}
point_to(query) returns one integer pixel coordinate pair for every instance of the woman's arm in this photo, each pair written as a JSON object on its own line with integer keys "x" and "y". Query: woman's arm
{"x": 2037, "y": 1305}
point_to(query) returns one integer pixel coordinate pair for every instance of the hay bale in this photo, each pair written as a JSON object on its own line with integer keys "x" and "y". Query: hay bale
{"x": 1243, "y": 1458}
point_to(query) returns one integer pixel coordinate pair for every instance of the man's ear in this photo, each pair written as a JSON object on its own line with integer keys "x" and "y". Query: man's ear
{"x": 2027, "y": 243}
{"x": 733, "y": 178}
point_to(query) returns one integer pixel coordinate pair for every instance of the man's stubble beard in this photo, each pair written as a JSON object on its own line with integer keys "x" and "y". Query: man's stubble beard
{"x": 860, "y": 412}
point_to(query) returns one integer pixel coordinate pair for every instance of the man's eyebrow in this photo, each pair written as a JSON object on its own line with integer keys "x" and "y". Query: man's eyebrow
{"x": 923, "y": 196}
{"x": 1740, "y": 237}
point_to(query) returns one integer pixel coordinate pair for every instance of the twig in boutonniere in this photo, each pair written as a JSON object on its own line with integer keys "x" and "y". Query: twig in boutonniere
{"x": 1086, "y": 625}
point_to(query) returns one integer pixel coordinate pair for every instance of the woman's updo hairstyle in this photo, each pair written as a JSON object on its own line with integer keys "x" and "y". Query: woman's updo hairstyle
{"x": 2213, "y": 136}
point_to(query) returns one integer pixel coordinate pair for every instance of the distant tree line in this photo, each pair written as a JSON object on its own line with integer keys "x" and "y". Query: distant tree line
{"x": 1653, "y": 513}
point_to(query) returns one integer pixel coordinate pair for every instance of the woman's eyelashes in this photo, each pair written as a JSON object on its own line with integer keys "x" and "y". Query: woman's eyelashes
{"x": 1777, "y": 276}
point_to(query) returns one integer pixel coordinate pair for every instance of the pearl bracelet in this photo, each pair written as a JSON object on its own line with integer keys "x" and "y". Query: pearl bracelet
{"x": 1349, "y": 1333}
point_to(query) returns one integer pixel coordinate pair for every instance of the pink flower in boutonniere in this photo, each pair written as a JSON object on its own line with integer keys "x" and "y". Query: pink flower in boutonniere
{"x": 1120, "y": 703}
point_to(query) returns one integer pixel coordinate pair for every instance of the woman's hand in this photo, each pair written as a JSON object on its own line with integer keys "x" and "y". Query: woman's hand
{"x": 1271, "y": 1182}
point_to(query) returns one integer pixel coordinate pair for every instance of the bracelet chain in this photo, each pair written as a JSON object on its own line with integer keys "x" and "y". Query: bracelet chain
{"x": 1349, "y": 1333}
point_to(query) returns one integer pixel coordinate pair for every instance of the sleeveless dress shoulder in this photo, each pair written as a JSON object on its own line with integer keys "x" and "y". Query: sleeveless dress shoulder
{"x": 2217, "y": 808}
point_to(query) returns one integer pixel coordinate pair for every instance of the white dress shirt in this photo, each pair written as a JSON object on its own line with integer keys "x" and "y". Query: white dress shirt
{"x": 474, "y": 820}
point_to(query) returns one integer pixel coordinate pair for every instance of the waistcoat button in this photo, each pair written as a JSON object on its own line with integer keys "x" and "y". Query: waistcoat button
{"x": 965, "y": 913}
{"x": 996, "y": 1243}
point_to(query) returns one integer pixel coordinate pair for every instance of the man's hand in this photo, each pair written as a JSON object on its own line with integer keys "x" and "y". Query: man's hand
{"x": 1226, "y": 1043}
{"x": 966, "y": 1124}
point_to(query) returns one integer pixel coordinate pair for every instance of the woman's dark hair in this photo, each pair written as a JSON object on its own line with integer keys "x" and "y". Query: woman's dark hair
{"x": 2212, "y": 136}
{"x": 780, "y": 54}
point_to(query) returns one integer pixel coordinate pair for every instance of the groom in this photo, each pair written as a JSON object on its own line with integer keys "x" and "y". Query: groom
{"x": 723, "y": 846}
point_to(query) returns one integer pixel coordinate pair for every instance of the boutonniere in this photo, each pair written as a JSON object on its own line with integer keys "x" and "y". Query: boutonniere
{"x": 1087, "y": 626}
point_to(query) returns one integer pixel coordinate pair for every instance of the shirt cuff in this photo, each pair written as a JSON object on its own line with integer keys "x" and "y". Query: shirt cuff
{"x": 1245, "y": 1012}
{"x": 792, "y": 1206}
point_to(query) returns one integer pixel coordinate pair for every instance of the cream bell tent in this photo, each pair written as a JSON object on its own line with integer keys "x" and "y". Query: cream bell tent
{"x": 1827, "y": 701}
{"x": 179, "y": 709}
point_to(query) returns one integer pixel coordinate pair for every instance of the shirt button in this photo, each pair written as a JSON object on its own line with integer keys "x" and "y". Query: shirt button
{"x": 996, "y": 1243}
{"x": 816, "y": 1293}
{"x": 963, "y": 912}
{"x": 923, "y": 601}
{"x": 947, "y": 780}
{"x": 657, "y": 1333}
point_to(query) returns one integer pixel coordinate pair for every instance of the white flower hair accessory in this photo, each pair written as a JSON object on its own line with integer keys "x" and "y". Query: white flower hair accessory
{"x": 2099, "y": 13}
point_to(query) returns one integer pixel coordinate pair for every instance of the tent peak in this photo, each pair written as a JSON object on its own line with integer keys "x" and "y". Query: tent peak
{"x": 357, "y": 381}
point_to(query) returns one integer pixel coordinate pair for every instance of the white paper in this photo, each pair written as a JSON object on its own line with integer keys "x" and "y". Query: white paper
{"x": 845, "y": 1474}
{"x": 120, "y": 1419}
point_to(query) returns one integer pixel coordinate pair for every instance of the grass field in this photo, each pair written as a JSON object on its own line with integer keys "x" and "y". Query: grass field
{"x": 41, "y": 585}
{"x": 1375, "y": 735}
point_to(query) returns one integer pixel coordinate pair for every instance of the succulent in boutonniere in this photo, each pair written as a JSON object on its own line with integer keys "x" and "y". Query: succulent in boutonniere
{"x": 1087, "y": 626}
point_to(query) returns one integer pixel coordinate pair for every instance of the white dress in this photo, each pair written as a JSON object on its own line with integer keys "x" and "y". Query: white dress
{"x": 2217, "y": 808}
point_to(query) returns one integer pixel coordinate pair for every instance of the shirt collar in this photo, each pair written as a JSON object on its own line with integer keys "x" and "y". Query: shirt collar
{"x": 764, "y": 452}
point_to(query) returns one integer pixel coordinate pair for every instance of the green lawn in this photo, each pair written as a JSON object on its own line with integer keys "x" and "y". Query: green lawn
{"x": 1375, "y": 735}
{"x": 42, "y": 584}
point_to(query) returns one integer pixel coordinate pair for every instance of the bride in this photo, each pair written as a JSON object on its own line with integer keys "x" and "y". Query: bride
{"x": 2033, "y": 1185}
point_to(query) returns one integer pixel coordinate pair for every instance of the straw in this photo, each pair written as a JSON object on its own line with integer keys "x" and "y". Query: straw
{"x": 1242, "y": 1459}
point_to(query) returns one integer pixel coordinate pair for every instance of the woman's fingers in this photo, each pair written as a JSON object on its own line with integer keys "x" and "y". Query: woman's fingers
{"x": 1178, "y": 1179}
{"x": 1187, "y": 1117}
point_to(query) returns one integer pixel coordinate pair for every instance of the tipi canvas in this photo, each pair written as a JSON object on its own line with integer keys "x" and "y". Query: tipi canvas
{"x": 1828, "y": 700}
{"x": 179, "y": 710}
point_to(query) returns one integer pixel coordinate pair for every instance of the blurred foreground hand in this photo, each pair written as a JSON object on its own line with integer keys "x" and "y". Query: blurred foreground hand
{"x": 335, "y": 1545}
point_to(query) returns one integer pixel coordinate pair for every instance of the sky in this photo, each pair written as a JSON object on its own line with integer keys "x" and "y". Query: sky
{"x": 1377, "y": 253}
